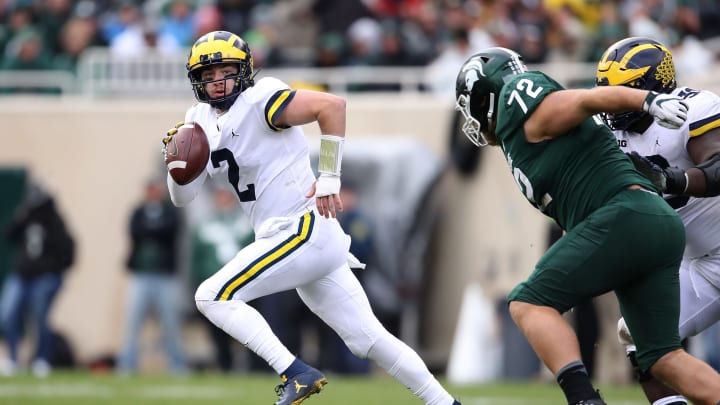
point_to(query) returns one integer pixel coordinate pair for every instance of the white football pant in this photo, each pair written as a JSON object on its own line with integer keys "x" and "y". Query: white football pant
{"x": 309, "y": 254}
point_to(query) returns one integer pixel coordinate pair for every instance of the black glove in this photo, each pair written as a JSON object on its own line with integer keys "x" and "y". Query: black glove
{"x": 669, "y": 180}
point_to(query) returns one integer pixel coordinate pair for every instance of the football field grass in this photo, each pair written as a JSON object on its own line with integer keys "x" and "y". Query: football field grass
{"x": 251, "y": 389}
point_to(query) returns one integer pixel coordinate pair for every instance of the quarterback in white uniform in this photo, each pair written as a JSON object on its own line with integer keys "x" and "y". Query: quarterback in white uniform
{"x": 685, "y": 163}
{"x": 257, "y": 144}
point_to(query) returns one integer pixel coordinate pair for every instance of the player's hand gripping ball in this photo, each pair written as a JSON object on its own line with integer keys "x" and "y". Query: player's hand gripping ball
{"x": 186, "y": 151}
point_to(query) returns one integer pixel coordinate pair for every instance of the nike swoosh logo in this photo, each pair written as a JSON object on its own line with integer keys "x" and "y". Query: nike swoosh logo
{"x": 232, "y": 131}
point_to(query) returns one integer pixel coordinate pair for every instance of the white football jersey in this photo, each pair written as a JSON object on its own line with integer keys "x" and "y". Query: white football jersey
{"x": 268, "y": 166}
{"x": 701, "y": 216}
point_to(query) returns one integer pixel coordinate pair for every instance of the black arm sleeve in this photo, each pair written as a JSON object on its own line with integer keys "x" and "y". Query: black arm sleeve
{"x": 711, "y": 169}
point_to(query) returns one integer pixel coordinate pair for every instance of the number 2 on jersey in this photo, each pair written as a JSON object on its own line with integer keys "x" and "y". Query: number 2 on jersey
{"x": 224, "y": 155}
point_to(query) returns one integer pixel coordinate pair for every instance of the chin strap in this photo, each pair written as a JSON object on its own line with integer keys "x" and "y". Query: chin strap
{"x": 711, "y": 169}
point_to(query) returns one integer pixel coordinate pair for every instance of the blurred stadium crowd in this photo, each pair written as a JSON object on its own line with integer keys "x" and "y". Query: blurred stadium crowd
{"x": 52, "y": 34}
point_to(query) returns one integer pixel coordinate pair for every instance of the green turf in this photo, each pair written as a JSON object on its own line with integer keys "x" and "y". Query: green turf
{"x": 82, "y": 388}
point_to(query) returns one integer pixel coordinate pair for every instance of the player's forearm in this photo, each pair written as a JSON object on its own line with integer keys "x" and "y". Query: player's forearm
{"x": 612, "y": 99}
{"x": 565, "y": 109}
{"x": 183, "y": 195}
{"x": 332, "y": 118}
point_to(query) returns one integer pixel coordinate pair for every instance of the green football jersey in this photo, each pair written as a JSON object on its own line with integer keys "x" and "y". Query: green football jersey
{"x": 569, "y": 177}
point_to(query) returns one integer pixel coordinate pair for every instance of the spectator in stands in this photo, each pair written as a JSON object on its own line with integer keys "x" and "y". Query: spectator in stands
{"x": 19, "y": 18}
{"x": 611, "y": 28}
{"x": 334, "y": 17}
{"x": 263, "y": 37}
{"x": 709, "y": 14}
{"x": 423, "y": 31}
{"x": 545, "y": 31}
{"x": 330, "y": 50}
{"x": 236, "y": 14}
{"x": 51, "y": 17}
{"x": 124, "y": 31}
{"x": 207, "y": 19}
{"x": 155, "y": 283}
{"x": 393, "y": 51}
{"x": 642, "y": 21}
{"x": 45, "y": 250}
{"x": 498, "y": 21}
{"x": 439, "y": 74}
{"x": 364, "y": 37}
{"x": 567, "y": 35}
{"x": 77, "y": 35}
{"x": 533, "y": 25}
{"x": 175, "y": 29}
{"x": 25, "y": 51}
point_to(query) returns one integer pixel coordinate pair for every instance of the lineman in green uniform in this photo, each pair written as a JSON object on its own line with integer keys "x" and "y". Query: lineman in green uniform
{"x": 620, "y": 234}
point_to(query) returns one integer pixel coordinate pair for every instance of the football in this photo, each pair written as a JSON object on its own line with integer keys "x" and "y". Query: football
{"x": 187, "y": 153}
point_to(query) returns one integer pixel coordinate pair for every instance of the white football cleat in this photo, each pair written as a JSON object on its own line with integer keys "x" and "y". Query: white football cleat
{"x": 624, "y": 336}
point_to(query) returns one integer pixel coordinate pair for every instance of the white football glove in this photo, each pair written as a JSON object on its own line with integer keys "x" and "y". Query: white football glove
{"x": 327, "y": 184}
{"x": 669, "y": 111}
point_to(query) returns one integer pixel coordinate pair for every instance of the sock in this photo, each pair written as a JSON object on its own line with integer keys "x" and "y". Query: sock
{"x": 247, "y": 326}
{"x": 673, "y": 400}
{"x": 298, "y": 366}
{"x": 403, "y": 363}
{"x": 575, "y": 383}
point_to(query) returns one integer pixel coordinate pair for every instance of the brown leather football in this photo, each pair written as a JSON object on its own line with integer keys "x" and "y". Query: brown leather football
{"x": 187, "y": 153}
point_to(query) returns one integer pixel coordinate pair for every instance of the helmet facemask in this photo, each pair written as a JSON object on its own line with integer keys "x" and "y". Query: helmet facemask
{"x": 473, "y": 129}
{"x": 240, "y": 83}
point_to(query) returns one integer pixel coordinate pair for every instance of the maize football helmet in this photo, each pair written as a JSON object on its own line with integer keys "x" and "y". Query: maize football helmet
{"x": 216, "y": 48}
{"x": 637, "y": 62}
{"x": 477, "y": 89}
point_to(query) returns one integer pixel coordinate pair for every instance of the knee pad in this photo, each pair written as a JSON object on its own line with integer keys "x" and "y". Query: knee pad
{"x": 202, "y": 305}
{"x": 204, "y": 292}
{"x": 360, "y": 340}
{"x": 359, "y": 345}
{"x": 217, "y": 312}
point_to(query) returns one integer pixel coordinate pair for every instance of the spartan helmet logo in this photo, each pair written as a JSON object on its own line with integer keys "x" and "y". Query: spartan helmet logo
{"x": 472, "y": 71}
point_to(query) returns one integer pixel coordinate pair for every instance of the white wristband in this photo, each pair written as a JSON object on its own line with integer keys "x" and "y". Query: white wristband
{"x": 327, "y": 184}
{"x": 331, "y": 151}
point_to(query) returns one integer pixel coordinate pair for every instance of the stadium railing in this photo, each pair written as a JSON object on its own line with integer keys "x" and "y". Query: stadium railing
{"x": 45, "y": 81}
{"x": 102, "y": 74}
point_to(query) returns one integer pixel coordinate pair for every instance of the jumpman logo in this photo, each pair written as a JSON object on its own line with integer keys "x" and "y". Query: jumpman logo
{"x": 298, "y": 386}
